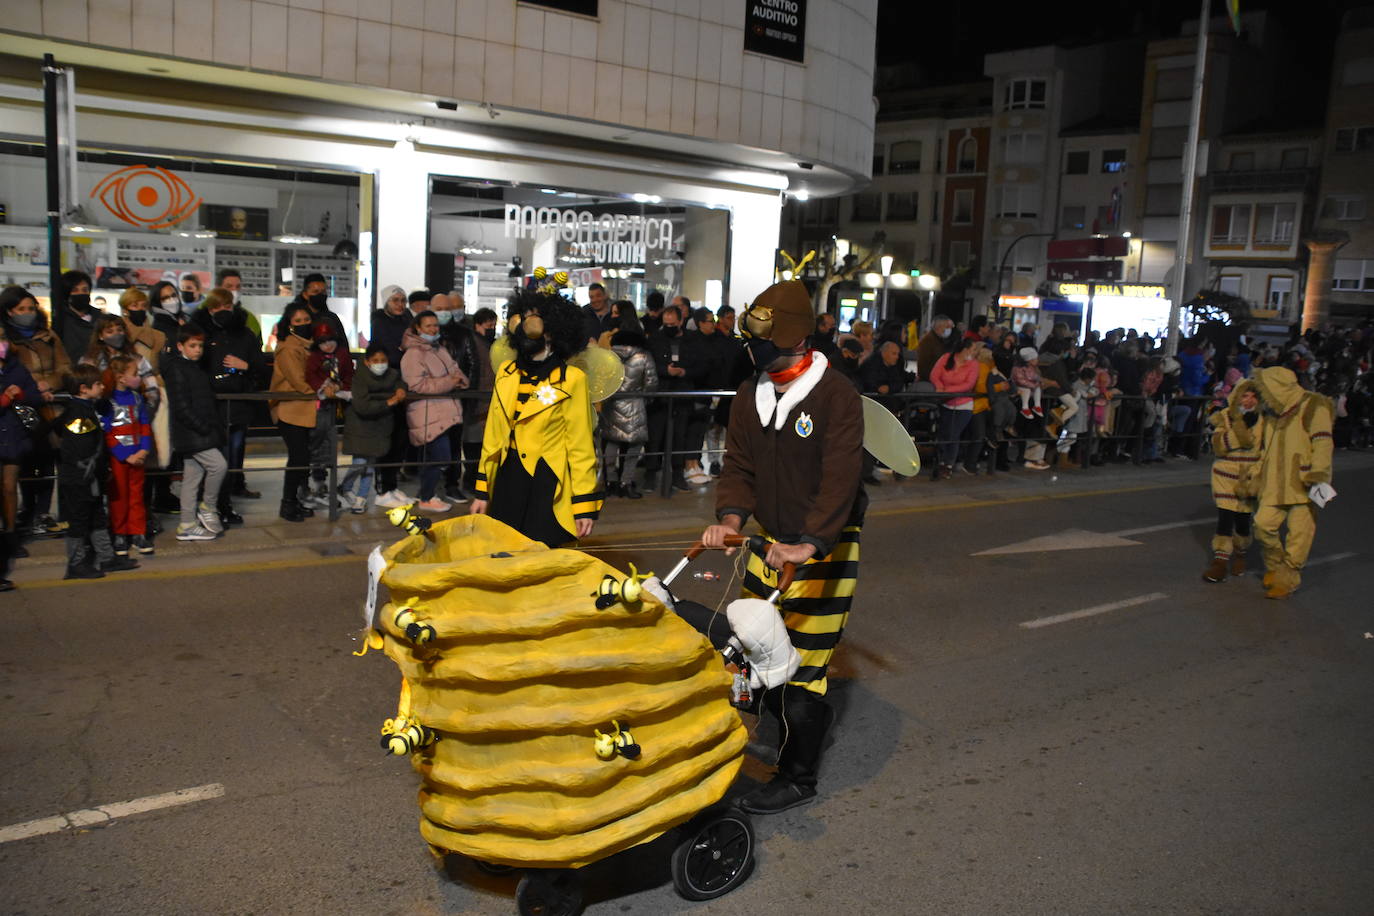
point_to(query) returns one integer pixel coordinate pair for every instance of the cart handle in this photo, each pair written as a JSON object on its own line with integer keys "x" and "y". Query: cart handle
{"x": 785, "y": 575}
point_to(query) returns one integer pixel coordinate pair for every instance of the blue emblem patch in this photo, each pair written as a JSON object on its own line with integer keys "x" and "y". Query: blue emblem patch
{"x": 804, "y": 426}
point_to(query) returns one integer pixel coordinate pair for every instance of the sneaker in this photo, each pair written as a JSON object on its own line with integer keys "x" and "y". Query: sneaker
{"x": 433, "y": 505}
{"x": 195, "y": 533}
{"x": 357, "y": 504}
{"x": 778, "y": 795}
{"x": 142, "y": 545}
{"x": 1038, "y": 411}
{"x": 699, "y": 478}
{"x": 121, "y": 545}
{"x": 312, "y": 500}
{"x": 209, "y": 520}
{"x": 83, "y": 571}
{"x": 1037, "y": 465}
{"x": 45, "y": 525}
{"x": 118, "y": 564}
{"x": 392, "y": 500}
{"x": 230, "y": 517}
{"x": 457, "y": 498}
{"x": 1026, "y": 412}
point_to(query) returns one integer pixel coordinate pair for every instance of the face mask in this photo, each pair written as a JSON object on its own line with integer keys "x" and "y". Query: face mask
{"x": 672, "y": 331}
{"x": 489, "y": 333}
{"x": 378, "y": 369}
{"x": 114, "y": 340}
{"x": 137, "y": 317}
{"x": 763, "y": 352}
{"x": 221, "y": 318}
{"x": 80, "y": 301}
{"x": 946, "y": 332}
{"x": 172, "y": 305}
{"x": 188, "y": 296}
{"x": 236, "y": 297}
{"x": 24, "y": 319}
{"x": 301, "y": 330}
{"x": 429, "y": 338}
{"x": 444, "y": 317}
{"x": 318, "y": 302}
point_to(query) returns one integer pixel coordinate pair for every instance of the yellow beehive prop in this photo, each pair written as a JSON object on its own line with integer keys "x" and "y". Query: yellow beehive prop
{"x": 522, "y": 673}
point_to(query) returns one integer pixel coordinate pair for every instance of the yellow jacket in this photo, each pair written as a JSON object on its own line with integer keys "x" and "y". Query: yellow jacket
{"x": 556, "y": 425}
{"x": 1297, "y": 442}
{"x": 1235, "y": 472}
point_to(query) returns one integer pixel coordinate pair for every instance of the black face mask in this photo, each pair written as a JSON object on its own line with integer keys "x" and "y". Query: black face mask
{"x": 79, "y": 301}
{"x": 672, "y": 331}
{"x": 222, "y": 317}
{"x": 318, "y": 302}
{"x": 763, "y": 352}
{"x": 489, "y": 333}
{"x": 188, "y": 296}
{"x": 301, "y": 330}
{"x": 137, "y": 317}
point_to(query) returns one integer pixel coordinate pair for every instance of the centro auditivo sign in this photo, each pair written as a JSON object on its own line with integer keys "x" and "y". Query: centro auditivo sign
{"x": 610, "y": 237}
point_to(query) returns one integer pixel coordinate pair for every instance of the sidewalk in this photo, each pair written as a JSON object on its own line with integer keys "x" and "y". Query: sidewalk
{"x": 265, "y": 540}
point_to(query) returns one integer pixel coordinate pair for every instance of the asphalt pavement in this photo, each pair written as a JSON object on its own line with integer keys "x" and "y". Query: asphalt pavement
{"x": 1043, "y": 709}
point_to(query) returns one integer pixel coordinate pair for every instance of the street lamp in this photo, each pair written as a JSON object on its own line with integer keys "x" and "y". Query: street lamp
{"x": 886, "y": 263}
{"x": 930, "y": 283}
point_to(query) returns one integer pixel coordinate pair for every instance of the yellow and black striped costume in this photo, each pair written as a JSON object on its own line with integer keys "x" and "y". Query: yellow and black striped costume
{"x": 815, "y": 606}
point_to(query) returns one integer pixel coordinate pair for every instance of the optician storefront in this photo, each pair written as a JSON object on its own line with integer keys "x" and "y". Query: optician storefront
{"x": 1142, "y": 307}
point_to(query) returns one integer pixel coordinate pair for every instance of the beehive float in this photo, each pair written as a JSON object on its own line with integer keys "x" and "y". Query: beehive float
{"x": 548, "y": 732}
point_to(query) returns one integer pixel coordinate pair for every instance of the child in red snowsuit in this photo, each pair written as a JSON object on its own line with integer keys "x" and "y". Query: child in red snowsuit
{"x": 129, "y": 441}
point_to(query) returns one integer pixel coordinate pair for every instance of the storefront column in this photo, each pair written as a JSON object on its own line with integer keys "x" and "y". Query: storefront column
{"x": 402, "y": 219}
{"x": 1321, "y": 269}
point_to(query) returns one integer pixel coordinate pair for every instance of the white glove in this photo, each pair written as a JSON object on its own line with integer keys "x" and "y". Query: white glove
{"x": 759, "y": 628}
{"x": 654, "y": 586}
{"x": 1321, "y": 494}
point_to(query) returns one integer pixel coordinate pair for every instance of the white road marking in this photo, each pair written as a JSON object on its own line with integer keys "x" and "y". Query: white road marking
{"x": 87, "y": 817}
{"x": 1091, "y": 611}
{"x": 1150, "y": 529}
{"x": 1331, "y": 559}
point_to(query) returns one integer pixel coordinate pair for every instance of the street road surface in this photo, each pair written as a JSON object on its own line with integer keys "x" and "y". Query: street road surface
{"x": 1075, "y": 724}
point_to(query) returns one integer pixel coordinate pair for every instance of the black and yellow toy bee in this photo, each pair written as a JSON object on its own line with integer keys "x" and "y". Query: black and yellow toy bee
{"x": 618, "y": 742}
{"x": 628, "y": 591}
{"x": 404, "y": 518}
{"x": 401, "y": 736}
{"x": 416, "y": 631}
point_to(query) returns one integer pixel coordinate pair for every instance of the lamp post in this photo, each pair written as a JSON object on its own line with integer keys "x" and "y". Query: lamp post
{"x": 930, "y": 283}
{"x": 886, "y": 263}
{"x": 1002, "y": 268}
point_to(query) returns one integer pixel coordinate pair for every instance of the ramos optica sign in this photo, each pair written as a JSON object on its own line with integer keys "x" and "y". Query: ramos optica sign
{"x": 605, "y": 237}
{"x": 776, "y": 28}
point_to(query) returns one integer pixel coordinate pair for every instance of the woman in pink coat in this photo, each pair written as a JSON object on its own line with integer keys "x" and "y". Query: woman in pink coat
{"x": 428, "y": 369}
{"x": 955, "y": 371}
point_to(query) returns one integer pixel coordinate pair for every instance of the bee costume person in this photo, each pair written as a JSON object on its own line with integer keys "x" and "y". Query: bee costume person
{"x": 537, "y": 472}
{"x": 793, "y": 459}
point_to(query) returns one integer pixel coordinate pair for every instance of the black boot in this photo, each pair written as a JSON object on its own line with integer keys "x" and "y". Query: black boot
{"x": 80, "y": 559}
{"x": 804, "y": 720}
{"x": 292, "y": 511}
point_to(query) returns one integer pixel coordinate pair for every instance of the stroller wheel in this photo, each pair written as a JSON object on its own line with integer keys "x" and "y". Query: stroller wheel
{"x": 549, "y": 892}
{"x": 715, "y": 856}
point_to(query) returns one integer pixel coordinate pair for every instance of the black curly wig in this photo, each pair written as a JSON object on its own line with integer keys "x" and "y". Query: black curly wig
{"x": 563, "y": 322}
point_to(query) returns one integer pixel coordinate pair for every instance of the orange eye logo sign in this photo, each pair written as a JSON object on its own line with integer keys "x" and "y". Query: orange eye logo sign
{"x": 147, "y": 196}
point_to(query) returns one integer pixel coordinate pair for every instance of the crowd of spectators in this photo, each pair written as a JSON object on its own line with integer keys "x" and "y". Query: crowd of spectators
{"x": 181, "y": 374}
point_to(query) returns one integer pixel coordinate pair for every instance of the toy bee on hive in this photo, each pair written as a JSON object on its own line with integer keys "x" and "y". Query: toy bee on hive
{"x": 618, "y": 742}
{"x": 404, "y": 517}
{"x": 417, "y": 632}
{"x": 627, "y": 591}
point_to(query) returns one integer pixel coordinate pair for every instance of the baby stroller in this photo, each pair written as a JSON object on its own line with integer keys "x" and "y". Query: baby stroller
{"x": 557, "y": 711}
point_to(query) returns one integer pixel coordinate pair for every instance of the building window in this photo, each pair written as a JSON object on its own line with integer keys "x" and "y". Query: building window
{"x": 960, "y": 253}
{"x": 1168, "y": 142}
{"x": 823, "y": 212}
{"x": 1163, "y": 199}
{"x": 1073, "y": 217}
{"x": 902, "y": 205}
{"x": 1274, "y": 223}
{"x": 1024, "y": 93}
{"x": 1354, "y": 139}
{"x": 1294, "y": 158}
{"x": 935, "y": 208}
{"x": 1280, "y": 293}
{"x": 966, "y": 157}
{"x": 1353, "y": 274}
{"x": 1174, "y": 84}
{"x": 1348, "y": 208}
{"x": 867, "y": 207}
{"x": 1076, "y": 162}
{"x": 1020, "y": 260}
{"x": 1023, "y": 147}
{"x": 1229, "y": 284}
{"x": 963, "y": 206}
{"x": 878, "y": 158}
{"x": 1113, "y": 160}
{"x": 906, "y": 157}
{"x": 1230, "y": 224}
{"x": 1242, "y": 162}
{"x": 1016, "y": 201}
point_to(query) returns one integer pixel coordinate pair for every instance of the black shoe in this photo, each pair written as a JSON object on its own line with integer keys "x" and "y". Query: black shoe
{"x": 614, "y": 489}
{"x": 167, "y": 506}
{"x": 6, "y": 585}
{"x": 778, "y": 795}
{"x": 715, "y": 468}
{"x": 630, "y": 491}
{"x": 293, "y": 512}
{"x": 142, "y": 544}
{"x": 245, "y": 493}
{"x": 1003, "y": 466}
{"x": 680, "y": 482}
{"x": 230, "y": 517}
{"x": 83, "y": 571}
{"x": 121, "y": 545}
{"x": 118, "y": 564}
{"x": 154, "y": 526}
{"x": 18, "y": 551}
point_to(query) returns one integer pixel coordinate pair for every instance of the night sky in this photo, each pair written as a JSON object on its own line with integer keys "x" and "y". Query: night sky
{"x": 948, "y": 39}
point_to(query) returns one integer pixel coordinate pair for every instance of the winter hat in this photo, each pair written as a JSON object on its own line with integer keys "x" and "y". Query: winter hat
{"x": 321, "y": 332}
{"x": 389, "y": 291}
{"x": 1027, "y": 354}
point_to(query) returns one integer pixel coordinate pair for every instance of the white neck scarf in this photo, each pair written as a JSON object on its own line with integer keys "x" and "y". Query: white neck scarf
{"x": 766, "y": 398}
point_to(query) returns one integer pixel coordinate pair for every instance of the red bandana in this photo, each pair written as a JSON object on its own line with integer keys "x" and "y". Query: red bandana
{"x": 784, "y": 376}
